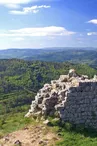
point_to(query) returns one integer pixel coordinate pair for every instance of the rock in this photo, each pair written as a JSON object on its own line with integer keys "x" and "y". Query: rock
{"x": 46, "y": 122}
{"x": 28, "y": 115}
{"x": 95, "y": 77}
{"x": 46, "y": 85}
{"x": 53, "y": 82}
{"x": 39, "y": 113}
{"x": 6, "y": 139}
{"x": 26, "y": 128}
{"x": 62, "y": 86}
{"x": 72, "y": 73}
{"x": 64, "y": 78}
{"x": 56, "y": 120}
{"x": 33, "y": 141}
{"x": 62, "y": 93}
{"x": 41, "y": 142}
{"x": 75, "y": 82}
{"x": 54, "y": 92}
{"x": 18, "y": 143}
{"x": 83, "y": 77}
{"x": 54, "y": 86}
{"x": 44, "y": 143}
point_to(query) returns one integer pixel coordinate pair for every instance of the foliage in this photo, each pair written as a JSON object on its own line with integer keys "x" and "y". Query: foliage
{"x": 20, "y": 80}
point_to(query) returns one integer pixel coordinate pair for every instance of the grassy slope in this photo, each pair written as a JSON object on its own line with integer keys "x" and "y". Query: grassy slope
{"x": 69, "y": 137}
{"x": 72, "y": 135}
{"x": 78, "y": 139}
{"x": 13, "y": 122}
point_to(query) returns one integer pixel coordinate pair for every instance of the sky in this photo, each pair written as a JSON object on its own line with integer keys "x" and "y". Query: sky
{"x": 48, "y": 23}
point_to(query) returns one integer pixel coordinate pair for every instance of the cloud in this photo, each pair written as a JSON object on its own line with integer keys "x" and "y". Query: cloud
{"x": 14, "y": 3}
{"x": 93, "y": 21}
{"x": 38, "y": 32}
{"x": 13, "y": 6}
{"x": 17, "y": 3}
{"x": 26, "y": 10}
{"x": 18, "y": 39}
{"x": 91, "y": 33}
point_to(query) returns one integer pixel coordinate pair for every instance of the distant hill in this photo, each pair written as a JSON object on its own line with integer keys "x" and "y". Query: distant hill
{"x": 74, "y": 55}
{"x": 24, "y": 53}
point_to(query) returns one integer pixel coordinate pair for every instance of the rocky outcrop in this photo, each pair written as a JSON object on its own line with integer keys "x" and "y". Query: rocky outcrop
{"x": 72, "y": 97}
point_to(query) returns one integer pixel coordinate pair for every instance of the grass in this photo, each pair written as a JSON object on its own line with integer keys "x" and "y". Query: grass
{"x": 13, "y": 122}
{"x": 70, "y": 135}
{"x": 76, "y": 139}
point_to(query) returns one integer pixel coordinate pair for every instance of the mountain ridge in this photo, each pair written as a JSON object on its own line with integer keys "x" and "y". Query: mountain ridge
{"x": 74, "y": 55}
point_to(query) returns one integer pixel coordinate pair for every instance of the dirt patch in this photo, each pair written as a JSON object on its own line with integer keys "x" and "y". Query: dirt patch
{"x": 31, "y": 136}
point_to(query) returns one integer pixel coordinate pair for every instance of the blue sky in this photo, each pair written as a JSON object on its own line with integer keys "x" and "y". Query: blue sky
{"x": 48, "y": 23}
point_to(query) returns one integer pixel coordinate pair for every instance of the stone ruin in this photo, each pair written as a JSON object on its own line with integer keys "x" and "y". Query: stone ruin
{"x": 72, "y": 97}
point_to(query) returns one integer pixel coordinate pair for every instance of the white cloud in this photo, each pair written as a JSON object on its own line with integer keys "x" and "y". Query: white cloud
{"x": 26, "y": 10}
{"x": 14, "y": 3}
{"x": 93, "y": 21}
{"x": 91, "y": 33}
{"x": 3, "y": 2}
{"x": 7, "y": 2}
{"x": 13, "y": 6}
{"x": 18, "y": 39}
{"x": 38, "y": 32}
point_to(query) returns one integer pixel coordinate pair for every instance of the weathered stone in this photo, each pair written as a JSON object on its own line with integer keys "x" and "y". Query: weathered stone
{"x": 95, "y": 77}
{"x": 64, "y": 78}
{"x": 46, "y": 122}
{"x": 72, "y": 73}
{"x": 73, "y": 97}
{"x": 18, "y": 143}
{"x": 83, "y": 77}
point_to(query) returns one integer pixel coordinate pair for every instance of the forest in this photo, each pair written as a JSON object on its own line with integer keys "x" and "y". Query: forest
{"x": 20, "y": 80}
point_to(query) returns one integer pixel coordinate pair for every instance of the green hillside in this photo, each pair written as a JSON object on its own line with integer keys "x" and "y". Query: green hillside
{"x": 20, "y": 80}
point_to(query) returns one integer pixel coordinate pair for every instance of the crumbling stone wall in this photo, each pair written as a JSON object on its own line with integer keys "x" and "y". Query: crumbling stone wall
{"x": 81, "y": 105}
{"x": 74, "y": 97}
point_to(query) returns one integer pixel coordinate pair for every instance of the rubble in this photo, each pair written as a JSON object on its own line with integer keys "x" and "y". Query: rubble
{"x": 74, "y": 97}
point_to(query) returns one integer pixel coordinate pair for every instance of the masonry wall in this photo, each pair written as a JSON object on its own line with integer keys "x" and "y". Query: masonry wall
{"x": 80, "y": 106}
{"x": 73, "y": 97}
